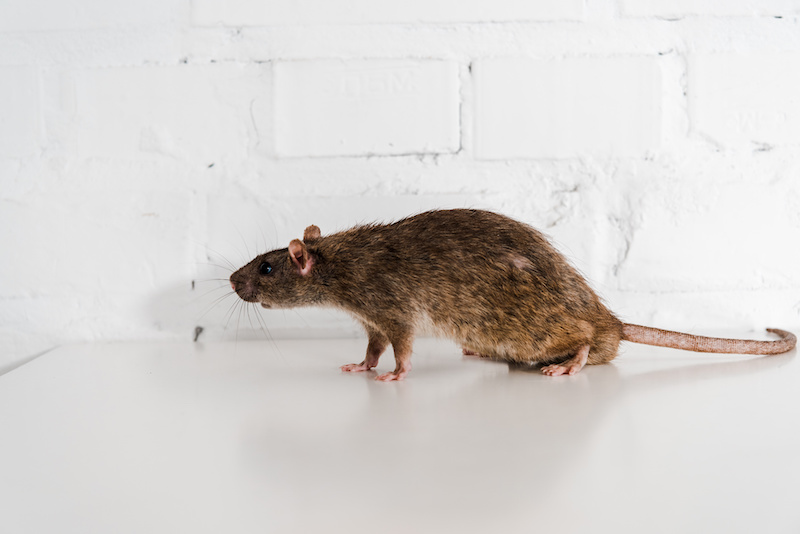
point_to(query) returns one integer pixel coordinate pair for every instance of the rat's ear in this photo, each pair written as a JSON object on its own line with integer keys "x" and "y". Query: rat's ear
{"x": 300, "y": 257}
{"x": 311, "y": 233}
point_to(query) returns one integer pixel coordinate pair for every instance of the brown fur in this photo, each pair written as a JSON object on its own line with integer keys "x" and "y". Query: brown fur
{"x": 486, "y": 281}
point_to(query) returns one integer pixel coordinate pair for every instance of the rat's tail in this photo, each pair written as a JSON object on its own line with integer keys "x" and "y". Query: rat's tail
{"x": 678, "y": 340}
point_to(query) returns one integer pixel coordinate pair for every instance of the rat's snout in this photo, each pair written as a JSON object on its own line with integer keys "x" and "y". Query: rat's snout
{"x": 244, "y": 288}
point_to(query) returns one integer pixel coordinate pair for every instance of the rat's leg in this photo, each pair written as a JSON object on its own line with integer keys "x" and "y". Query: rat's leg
{"x": 375, "y": 347}
{"x": 570, "y": 366}
{"x": 402, "y": 345}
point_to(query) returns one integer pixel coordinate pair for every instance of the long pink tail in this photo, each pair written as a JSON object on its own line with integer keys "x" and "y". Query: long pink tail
{"x": 679, "y": 340}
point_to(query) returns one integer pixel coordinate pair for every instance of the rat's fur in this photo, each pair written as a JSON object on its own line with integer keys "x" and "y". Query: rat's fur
{"x": 492, "y": 284}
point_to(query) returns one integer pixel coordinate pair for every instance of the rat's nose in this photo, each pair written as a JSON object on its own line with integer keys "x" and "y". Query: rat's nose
{"x": 244, "y": 288}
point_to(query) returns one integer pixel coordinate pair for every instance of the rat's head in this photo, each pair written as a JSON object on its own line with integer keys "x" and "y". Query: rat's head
{"x": 280, "y": 278}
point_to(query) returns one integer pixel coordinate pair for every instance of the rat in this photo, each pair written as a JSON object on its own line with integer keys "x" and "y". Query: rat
{"x": 494, "y": 285}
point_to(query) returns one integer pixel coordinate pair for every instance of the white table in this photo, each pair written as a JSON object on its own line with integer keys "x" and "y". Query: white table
{"x": 270, "y": 437}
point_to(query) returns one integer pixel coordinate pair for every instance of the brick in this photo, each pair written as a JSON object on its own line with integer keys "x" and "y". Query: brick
{"x": 366, "y": 107}
{"x": 195, "y": 113}
{"x": 554, "y": 109}
{"x": 679, "y": 8}
{"x": 19, "y": 112}
{"x": 44, "y": 15}
{"x": 277, "y": 12}
{"x": 748, "y": 101}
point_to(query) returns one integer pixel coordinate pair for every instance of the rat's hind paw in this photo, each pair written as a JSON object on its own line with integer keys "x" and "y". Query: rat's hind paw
{"x": 355, "y": 367}
{"x": 569, "y": 367}
{"x": 561, "y": 369}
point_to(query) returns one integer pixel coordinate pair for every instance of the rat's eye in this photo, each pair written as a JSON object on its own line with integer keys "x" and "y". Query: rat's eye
{"x": 265, "y": 268}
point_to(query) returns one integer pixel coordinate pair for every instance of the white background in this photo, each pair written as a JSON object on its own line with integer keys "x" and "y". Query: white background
{"x": 655, "y": 141}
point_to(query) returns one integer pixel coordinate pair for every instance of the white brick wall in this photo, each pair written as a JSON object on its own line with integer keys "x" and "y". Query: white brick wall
{"x": 277, "y": 12}
{"x": 20, "y": 114}
{"x": 565, "y": 108}
{"x": 187, "y": 111}
{"x": 363, "y": 108}
{"x": 714, "y": 8}
{"x": 761, "y": 103}
{"x": 51, "y": 15}
{"x": 143, "y": 145}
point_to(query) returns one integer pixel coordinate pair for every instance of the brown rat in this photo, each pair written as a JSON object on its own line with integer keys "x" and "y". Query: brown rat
{"x": 492, "y": 284}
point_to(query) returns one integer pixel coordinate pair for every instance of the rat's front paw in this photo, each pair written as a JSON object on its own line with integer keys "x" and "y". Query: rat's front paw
{"x": 398, "y": 374}
{"x": 391, "y": 377}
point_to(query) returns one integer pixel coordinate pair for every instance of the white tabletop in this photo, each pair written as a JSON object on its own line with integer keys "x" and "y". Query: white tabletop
{"x": 271, "y": 437}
